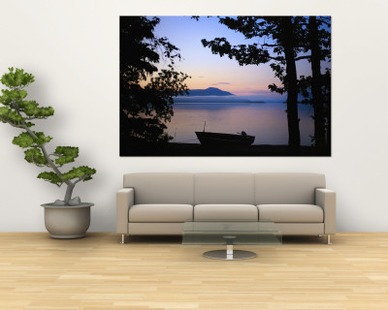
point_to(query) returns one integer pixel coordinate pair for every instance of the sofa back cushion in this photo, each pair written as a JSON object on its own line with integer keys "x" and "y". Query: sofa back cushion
{"x": 161, "y": 187}
{"x": 287, "y": 188}
{"x": 228, "y": 188}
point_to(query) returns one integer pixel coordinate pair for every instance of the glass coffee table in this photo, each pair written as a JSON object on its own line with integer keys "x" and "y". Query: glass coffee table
{"x": 230, "y": 234}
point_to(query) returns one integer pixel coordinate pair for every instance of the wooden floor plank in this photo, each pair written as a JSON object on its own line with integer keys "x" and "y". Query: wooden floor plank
{"x": 38, "y": 273}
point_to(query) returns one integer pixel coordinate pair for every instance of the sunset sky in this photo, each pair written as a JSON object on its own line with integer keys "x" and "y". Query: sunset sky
{"x": 209, "y": 70}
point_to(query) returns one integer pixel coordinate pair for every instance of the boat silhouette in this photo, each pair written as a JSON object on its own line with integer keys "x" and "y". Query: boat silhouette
{"x": 224, "y": 139}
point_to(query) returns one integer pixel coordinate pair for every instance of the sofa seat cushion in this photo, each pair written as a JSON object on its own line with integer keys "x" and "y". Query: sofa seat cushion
{"x": 290, "y": 213}
{"x": 225, "y": 212}
{"x": 160, "y": 213}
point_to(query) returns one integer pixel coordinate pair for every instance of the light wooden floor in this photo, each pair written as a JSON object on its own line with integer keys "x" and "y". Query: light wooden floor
{"x": 38, "y": 273}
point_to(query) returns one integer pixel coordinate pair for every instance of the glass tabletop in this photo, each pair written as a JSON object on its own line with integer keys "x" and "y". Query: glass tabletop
{"x": 233, "y": 232}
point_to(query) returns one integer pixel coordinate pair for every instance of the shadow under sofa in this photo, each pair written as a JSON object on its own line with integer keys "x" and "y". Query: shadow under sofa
{"x": 159, "y": 203}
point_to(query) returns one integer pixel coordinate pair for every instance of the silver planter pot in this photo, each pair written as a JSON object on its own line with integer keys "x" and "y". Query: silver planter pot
{"x": 67, "y": 222}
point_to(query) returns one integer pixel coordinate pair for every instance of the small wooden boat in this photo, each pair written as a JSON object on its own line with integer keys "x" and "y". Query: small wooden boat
{"x": 224, "y": 139}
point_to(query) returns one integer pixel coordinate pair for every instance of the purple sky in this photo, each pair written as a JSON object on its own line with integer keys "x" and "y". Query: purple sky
{"x": 208, "y": 70}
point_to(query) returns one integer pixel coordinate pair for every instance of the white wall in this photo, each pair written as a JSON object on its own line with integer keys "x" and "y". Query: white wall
{"x": 72, "y": 49}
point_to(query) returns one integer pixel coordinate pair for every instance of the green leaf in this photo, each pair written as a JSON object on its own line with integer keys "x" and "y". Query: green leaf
{"x": 43, "y": 112}
{"x": 31, "y": 108}
{"x": 8, "y": 115}
{"x": 79, "y": 172}
{"x": 41, "y": 138}
{"x": 28, "y": 107}
{"x": 28, "y": 104}
{"x": 23, "y": 140}
{"x": 17, "y": 78}
{"x": 50, "y": 177}
{"x": 29, "y": 124}
{"x": 26, "y": 140}
{"x": 66, "y": 154}
{"x": 35, "y": 156}
{"x": 13, "y": 95}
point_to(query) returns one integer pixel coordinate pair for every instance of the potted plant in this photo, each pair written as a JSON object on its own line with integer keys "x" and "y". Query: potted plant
{"x": 67, "y": 218}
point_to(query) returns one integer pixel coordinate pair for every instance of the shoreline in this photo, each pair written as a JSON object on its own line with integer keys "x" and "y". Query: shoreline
{"x": 196, "y": 149}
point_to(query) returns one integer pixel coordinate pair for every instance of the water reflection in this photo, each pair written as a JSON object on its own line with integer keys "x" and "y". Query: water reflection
{"x": 266, "y": 121}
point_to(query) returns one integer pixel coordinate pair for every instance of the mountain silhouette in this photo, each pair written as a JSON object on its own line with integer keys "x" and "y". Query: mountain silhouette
{"x": 210, "y": 91}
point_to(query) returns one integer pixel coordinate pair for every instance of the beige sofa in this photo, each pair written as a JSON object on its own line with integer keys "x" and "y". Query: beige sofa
{"x": 159, "y": 203}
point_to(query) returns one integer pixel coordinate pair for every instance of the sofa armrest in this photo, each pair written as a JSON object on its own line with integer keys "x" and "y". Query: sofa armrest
{"x": 326, "y": 199}
{"x": 124, "y": 200}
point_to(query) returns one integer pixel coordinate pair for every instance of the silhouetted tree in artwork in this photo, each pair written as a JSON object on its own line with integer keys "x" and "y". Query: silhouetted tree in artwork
{"x": 146, "y": 91}
{"x": 314, "y": 43}
{"x": 319, "y": 44}
{"x": 281, "y": 51}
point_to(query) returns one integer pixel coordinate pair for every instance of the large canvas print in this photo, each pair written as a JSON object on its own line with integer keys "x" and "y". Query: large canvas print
{"x": 225, "y": 86}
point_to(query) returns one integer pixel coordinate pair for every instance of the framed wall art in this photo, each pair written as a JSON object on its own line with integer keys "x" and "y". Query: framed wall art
{"x": 225, "y": 86}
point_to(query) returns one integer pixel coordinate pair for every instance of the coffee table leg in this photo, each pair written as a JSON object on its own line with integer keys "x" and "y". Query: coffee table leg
{"x": 229, "y": 251}
{"x": 234, "y": 255}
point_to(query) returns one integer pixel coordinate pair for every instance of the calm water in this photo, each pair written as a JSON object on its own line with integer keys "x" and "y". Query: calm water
{"x": 266, "y": 121}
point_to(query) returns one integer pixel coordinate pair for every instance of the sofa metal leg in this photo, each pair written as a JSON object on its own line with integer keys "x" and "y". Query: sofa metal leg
{"x": 328, "y": 239}
{"x": 122, "y": 239}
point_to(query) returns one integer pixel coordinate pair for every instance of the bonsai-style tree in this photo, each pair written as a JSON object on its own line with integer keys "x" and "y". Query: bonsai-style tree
{"x": 20, "y": 113}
